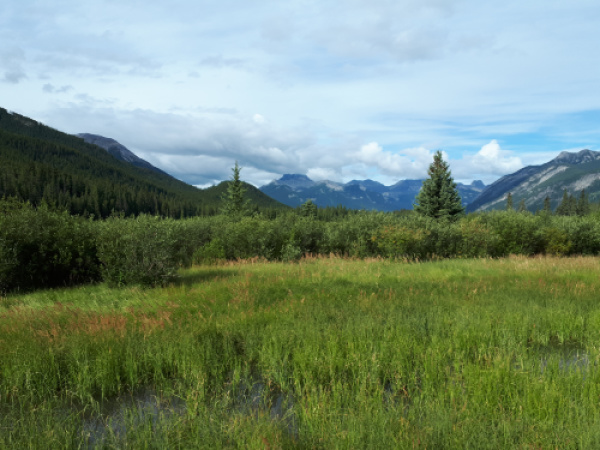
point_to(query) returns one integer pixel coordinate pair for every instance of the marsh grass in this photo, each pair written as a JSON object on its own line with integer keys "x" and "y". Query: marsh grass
{"x": 323, "y": 353}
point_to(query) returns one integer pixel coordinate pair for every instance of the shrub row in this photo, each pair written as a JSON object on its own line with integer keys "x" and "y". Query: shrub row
{"x": 494, "y": 234}
{"x": 44, "y": 248}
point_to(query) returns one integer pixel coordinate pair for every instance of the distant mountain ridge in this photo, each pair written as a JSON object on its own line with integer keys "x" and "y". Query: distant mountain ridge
{"x": 118, "y": 150}
{"x": 571, "y": 171}
{"x": 295, "y": 189}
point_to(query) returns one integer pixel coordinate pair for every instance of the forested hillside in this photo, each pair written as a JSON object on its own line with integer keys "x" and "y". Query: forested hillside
{"x": 42, "y": 165}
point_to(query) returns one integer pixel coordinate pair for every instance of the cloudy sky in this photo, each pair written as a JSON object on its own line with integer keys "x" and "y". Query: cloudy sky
{"x": 340, "y": 90}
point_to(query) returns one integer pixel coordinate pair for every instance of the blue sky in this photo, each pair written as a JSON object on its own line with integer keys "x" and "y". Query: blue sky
{"x": 336, "y": 90}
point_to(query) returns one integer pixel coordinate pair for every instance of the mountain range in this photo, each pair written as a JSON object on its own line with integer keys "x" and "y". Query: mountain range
{"x": 92, "y": 174}
{"x": 295, "y": 189}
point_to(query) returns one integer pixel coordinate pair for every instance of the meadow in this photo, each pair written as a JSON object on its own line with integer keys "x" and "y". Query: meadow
{"x": 325, "y": 353}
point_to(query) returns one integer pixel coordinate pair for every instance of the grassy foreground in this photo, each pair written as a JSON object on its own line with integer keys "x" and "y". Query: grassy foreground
{"x": 326, "y": 353}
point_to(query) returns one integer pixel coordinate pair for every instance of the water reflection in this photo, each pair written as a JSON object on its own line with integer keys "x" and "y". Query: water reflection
{"x": 115, "y": 417}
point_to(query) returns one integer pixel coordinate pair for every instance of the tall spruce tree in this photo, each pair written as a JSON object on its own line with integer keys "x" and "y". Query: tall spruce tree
{"x": 438, "y": 197}
{"x": 234, "y": 202}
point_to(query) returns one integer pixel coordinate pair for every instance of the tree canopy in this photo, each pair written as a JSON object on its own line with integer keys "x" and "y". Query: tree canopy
{"x": 439, "y": 197}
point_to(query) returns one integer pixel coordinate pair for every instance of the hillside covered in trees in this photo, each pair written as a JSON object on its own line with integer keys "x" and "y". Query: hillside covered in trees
{"x": 39, "y": 164}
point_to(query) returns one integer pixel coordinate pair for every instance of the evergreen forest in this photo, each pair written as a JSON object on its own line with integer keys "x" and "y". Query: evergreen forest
{"x": 41, "y": 165}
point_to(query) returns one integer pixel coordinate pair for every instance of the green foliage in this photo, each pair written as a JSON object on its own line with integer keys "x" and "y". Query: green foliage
{"x": 517, "y": 233}
{"x": 210, "y": 253}
{"x": 438, "y": 197}
{"x": 556, "y": 241}
{"x": 145, "y": 250}
{"x": 402, "y": 241}
{"x": 44, "y": 248}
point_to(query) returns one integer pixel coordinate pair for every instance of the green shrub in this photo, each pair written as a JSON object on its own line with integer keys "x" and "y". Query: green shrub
{"x": 191, "y": 235}
{"x": 518, "y": 233}
{"x": 402, "y": 241}
{"x": 583, "y": 233}
{"x": 43, "y": 248}
{"x": 210, "y": 253}
{"x": 145, "y": 250}
{"x": 352, "y": 235}
{"x": 556, "y": 242}
{"x": 249, "y": 237}
{"x": 478, "y": 238}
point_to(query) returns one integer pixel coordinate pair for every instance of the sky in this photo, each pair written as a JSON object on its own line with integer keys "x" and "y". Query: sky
{"x": 338, "y": 90}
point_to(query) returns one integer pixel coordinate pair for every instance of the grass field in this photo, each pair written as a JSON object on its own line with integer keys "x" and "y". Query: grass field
{"x": 325, "y": 353}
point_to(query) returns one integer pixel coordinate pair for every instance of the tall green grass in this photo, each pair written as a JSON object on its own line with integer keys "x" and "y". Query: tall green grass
{"x": 324, "y": 353}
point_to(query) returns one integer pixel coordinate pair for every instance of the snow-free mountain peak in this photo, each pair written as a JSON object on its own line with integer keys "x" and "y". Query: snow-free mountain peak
{"x": 581, "y": 157}
{"x": 118, "y": 150}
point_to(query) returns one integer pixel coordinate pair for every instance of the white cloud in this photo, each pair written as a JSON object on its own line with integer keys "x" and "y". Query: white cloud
{"x": 323, "y": 173}
{"x": 488, "y": 164}
{"x": 491, "y": 159}
{"x": 411, "y": 163}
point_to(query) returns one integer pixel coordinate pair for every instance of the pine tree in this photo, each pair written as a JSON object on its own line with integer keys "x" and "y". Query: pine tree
{"x": 568, "y": 205}
{"x": 234, "y": 203}
{"x": 547, "y": 205}
{"x": 522, "y": 207}
{"x": 509, "y": 202}
{"x": 583, "y": 206}
{"x": 438, "y": 197}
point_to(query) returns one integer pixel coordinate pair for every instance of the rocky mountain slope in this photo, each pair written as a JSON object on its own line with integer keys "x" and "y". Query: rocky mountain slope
{"x": 571, "y": 171}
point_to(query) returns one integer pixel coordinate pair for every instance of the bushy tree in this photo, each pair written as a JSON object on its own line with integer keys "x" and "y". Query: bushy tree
{"x": 438, "y": 197}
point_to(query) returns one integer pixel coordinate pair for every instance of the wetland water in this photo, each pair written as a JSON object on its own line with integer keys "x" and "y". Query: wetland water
{"x": 117, "y": 416}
